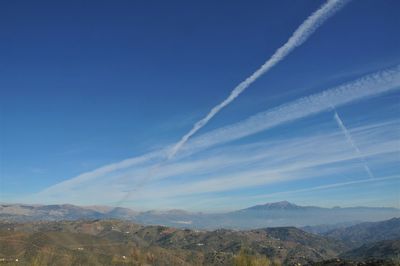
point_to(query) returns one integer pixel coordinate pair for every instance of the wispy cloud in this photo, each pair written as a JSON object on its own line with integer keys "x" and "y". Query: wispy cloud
{"x": 137, "y": 167}
{"x": 112, "y": 168}
{"x": 321, "y": 155}
{"x": 367, "y": 86}
{"x": 221, "y": 201}
{"x": 302, "y": 33}
{"x": 330, "y": 186}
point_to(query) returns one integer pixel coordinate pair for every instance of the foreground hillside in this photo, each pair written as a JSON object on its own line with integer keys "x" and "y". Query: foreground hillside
{"x": 113, "y": 242}
{"x": 386, "y": 249}
{"x": 123, "y": 243}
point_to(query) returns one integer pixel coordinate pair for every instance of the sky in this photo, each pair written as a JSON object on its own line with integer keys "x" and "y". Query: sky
{"x": 95, "y": 95}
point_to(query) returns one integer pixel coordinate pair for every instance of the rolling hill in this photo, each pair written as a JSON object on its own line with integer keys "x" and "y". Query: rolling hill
{"x": 117, "y": 242}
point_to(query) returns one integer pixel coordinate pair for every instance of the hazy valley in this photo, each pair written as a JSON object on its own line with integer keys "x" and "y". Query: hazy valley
{"x": 268, "y": 215}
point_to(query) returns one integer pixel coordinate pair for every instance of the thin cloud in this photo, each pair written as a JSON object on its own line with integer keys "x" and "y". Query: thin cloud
{"x": 227, "y": 170}
{"x": 368, "y": 86}
{"x": 302, "y": 33}
{"x": 330, "y": 186}
{"x": 278, "y": 195}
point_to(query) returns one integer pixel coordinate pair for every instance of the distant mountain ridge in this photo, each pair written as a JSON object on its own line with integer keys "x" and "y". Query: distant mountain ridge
{"x": 280, "y": 205}
{"x": 274, "y": 214}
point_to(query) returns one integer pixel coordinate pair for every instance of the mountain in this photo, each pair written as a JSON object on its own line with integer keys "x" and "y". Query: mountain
{"x": 21, "y": 212}
{"x": 367, "y": 232}
{"x": 267, "y": 215}
{"x": 281, "y": 205}
{"x": 289, "y": 214}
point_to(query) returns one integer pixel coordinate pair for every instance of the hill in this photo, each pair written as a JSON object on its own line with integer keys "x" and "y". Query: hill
{"x": 386, "y": 249}
{"x": 363, "y": 233}
{"x": 117, "y": 242}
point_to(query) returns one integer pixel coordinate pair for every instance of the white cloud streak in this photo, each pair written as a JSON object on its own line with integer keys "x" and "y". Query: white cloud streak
{"x": 321, "y": 155}
{"x": 114, "y": 167}
{"x": 352, "y": 143}
{"x": 304, "y": 167}
{"x": 331, "y": 186}
{"x": 367, "y": 86}
{"x": 302, "y": 33}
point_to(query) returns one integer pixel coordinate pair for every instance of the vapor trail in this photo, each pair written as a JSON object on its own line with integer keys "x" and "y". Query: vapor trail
{"x": 353, "y": 144}
{"x": 302, "y": 33}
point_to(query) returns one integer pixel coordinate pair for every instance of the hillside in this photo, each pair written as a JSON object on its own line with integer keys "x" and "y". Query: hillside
{"x": 114, "y": 242}
{"x": 386, "y": 249}
{"x": 362, "y": 233}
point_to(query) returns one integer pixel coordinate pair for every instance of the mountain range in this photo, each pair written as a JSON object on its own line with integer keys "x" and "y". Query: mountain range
{"x": 313, "y": 219}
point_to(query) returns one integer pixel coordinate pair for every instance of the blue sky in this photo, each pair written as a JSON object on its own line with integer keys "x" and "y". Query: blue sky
{"x": 86, "y": 85}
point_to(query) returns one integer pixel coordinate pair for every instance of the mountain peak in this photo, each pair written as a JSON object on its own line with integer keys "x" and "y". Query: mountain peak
{"x": 280, "y": 205}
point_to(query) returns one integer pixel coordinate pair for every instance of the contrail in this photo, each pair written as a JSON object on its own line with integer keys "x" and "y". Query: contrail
{"x": 352, "y": 143}
{"x": 302, "y": 33}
